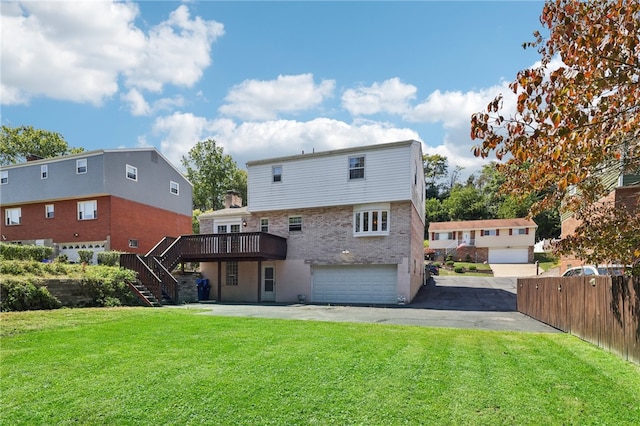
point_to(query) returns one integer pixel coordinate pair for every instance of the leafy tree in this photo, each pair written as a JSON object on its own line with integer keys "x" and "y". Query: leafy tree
{"x": 576, "y": 121}
{"x": 212, "y": 174}
{"x": 466, "y": 203}
{"x": 16, "y": 143}
{"x": 434, "y": 212}
{"x": 436, "y": 170}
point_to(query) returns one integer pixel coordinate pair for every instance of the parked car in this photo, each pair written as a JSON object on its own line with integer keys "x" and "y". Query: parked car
{"x": 593, "y": 270}
{"x": 433, "y": 269}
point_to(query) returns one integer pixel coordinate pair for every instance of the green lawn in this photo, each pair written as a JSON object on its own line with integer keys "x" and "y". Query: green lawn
{"x": 126, "y": 366}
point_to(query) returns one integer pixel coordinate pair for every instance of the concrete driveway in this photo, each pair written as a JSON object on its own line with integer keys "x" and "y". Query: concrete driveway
{"x": 455, "y": 302}
{"x": 516, "y": 270}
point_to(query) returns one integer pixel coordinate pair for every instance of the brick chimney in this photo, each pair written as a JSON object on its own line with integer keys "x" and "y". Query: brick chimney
{"x": 232, "y": 200}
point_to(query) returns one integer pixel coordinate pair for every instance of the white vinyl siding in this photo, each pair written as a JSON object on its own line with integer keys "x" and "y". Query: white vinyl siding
{"x": 322, "y": 180}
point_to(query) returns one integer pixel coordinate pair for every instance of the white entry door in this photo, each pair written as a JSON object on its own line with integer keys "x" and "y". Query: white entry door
{"x": 268, "y": 284}
{"x": 466, "y": 238}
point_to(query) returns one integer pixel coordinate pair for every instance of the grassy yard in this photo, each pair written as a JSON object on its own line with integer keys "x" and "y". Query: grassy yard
{"x": 468, "y": 266}
{"x": 126, "y": 366}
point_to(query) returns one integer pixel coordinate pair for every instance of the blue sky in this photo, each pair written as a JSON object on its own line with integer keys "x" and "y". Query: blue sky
{"x": 263, "y": 79}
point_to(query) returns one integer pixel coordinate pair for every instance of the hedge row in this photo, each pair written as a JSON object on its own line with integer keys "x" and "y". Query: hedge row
{"x": 20, "y": 252}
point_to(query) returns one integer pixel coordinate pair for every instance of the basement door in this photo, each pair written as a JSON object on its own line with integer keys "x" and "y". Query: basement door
{"x": 268, "y": 284}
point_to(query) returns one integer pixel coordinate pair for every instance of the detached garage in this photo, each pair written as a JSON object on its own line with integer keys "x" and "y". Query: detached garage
{"x": 508, "y": 255}
{"x": 376, "y": 284}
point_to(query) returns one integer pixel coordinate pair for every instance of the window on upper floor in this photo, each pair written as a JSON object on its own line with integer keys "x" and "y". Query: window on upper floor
{"x": 4, "y": 177}
{"x": 81, "y": 166}
{"x": 87, "y": 210}
{"x": 489, "y": 233}
{"x": 13, "y": 216}
{"x": 44, "y": 171}
{"x": 174, "y": 188}
{"x": 295, "y": 223}
{"x": 443, "y": 235}
{"x": 49, "y": 211}
{"x": 371, "y": 221}
{"x": 276, "y": 172}
{"x": 264, "y": 225}
{"x": 133, "y": 243}
{"x": 132, "y": 172}
{"x": 356, "y": 167}
{"x": 519, "y": 231}
{"x": 232, "y": 273}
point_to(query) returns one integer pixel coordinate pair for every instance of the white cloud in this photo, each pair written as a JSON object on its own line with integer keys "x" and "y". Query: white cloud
{"x": 391, "y": 96}
{"x": 265, "y": 100}
{"x": 77, "y": 51}
{"x": 136, "y": 102}
{"x": 247, "y": 141}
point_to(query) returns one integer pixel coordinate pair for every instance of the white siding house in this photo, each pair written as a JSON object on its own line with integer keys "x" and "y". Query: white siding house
{"x": 353, "y": 220}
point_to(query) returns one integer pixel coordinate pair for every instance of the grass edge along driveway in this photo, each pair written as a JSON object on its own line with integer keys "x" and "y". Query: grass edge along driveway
{"x": 173, "y": 366}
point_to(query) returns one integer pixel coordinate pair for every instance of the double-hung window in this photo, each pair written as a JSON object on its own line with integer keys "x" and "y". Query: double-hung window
{"x": 13, "y": 216}
{"x": 371, "y": 220}
{"x": 87, "y": 210}
{"x": 174, "y": 188}
{"x": 264, "y": 225}
{"x": 489, "y": 233}
{"x": 356, "y": 167}
{"x": 81, "y": 166}
{"x": 49, "y": 211}
{"x": 44, "y": 171}
{"x": 4, "y": 177}
{"x": 132, "y": 172}
{"x": 276, "y": 171}
{"x": 295, "y": 223}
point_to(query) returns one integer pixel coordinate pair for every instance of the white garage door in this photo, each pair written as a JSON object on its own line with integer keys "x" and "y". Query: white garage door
{"x": 355, "y": 284}
{"x": 514, "y": 255}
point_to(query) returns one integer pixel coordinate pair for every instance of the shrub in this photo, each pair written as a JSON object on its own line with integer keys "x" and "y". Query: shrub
{"x": 86, "y": 256}
{"x": 449, "y": 258}
{"x": 473, "y": 268}
{"x": 459, "y": 269}
{"x": 62, "y": 258}
{"x": 109, "y": 258}
{"x": 22, "y": 296}
{"x": 467, "y": 258}
{"x": 25, "y": 252}
{"x": 449, "y": 263}
{"x": 107, "y": 286}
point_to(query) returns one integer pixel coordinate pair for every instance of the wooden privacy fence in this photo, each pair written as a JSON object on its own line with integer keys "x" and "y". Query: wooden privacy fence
{"x": 602, "y": 310}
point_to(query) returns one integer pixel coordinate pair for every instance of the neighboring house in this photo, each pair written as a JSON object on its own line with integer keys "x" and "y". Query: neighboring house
{"x": 490, "y": 240}
{"x": 123, "y": 200}
{"x": 625, "y": 190}
{"x": 342, "y": 226}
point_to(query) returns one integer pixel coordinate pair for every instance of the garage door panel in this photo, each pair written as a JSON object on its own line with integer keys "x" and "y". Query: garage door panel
{"x": 504, "y": 255}
{"x": 355, "y": 283}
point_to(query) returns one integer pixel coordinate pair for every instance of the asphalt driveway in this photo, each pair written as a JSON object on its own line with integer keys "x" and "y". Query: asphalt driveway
{"x": 457, "y": 302}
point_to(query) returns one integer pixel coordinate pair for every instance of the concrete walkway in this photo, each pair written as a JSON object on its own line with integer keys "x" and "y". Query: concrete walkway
{"x": 456, "y": 302}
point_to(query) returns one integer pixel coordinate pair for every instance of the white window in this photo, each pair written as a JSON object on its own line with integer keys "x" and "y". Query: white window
{"x": 13, "y": 216}
{"x": 49, "y": 211}
{"x": 444, "y": 235}
{"x": 520, "y": 231}
{"x": 81, "y": 166}
{"x": 276, "y": 171}
{"x": 356, "y": 167}
{"x": 489, "y": 232}
{"x": 4, "y": 177}
{"x": 371, "y": 220}
{"x": 174, "y": 188}
{"x": 87, "y": 210}
{"x": 132, "y": 172}
{"x": 232, "y": 273}
{"x": 295, "y": 223}
{"x": 264, "y": 225}
{"x": 44, "y": 171}
{"x": 133, "y": 243}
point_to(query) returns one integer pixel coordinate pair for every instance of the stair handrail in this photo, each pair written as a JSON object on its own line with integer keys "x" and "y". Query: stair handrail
{"x": 162, "y": 245}
{"x": 170, "y": 283}
{"x": 145, "y": 274}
